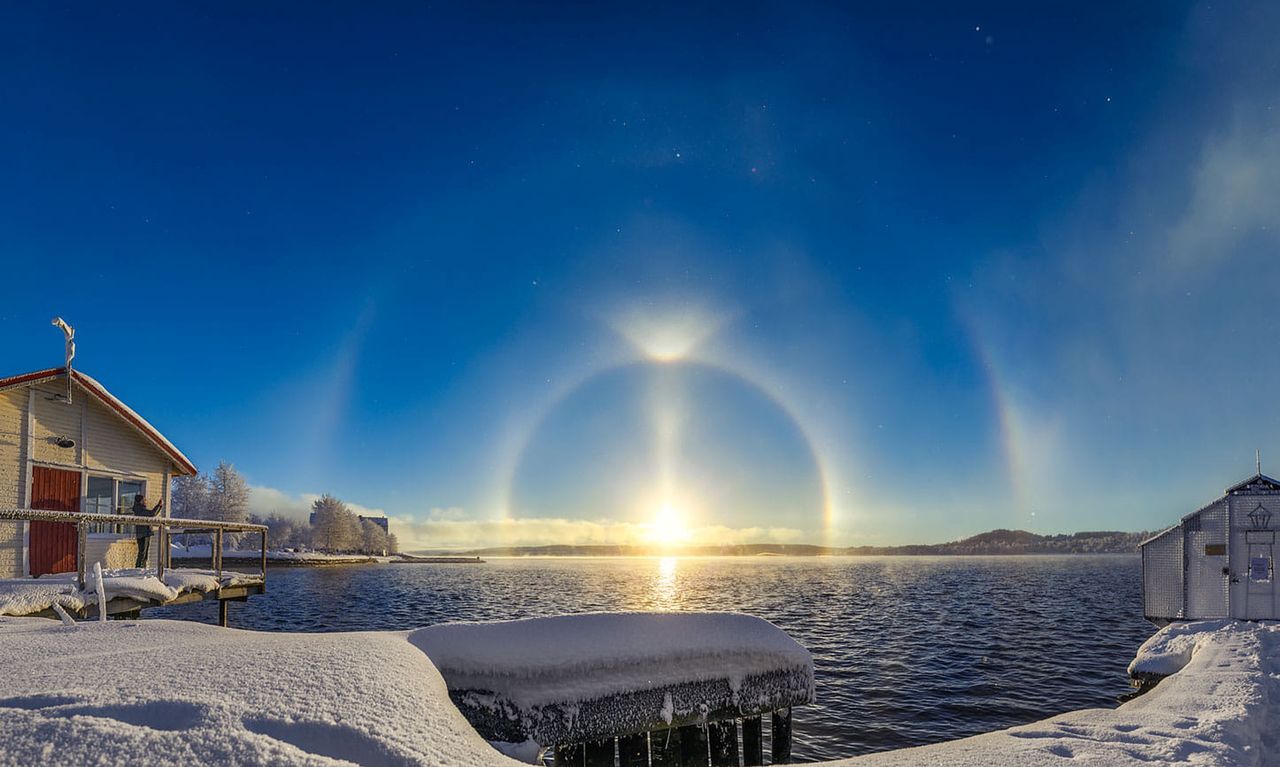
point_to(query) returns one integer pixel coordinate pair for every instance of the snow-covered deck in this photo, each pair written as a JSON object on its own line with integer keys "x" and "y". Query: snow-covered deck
{"x": 228, "y": 697}
{"x": 126, "y": 591}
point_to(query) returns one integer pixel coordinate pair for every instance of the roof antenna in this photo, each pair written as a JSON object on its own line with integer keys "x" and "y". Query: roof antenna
{"x": 1257, "y": 456}
{"x": 70, "y": 334}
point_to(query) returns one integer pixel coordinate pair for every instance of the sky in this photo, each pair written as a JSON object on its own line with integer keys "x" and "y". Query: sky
{"x": 611, "y": 273}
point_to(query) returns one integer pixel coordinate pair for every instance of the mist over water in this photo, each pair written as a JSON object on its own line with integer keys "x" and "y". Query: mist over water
{"x": 908, "y": 650}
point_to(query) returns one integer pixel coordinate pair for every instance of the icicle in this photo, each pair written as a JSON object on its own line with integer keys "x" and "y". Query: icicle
{"x": 102, "y": 592}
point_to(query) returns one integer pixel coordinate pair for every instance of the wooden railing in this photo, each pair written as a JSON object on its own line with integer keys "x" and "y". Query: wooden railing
{"x": 166, "y": 527}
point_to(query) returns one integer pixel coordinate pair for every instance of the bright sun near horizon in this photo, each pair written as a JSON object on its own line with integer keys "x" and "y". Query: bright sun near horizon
{"x": 668, "y": 526}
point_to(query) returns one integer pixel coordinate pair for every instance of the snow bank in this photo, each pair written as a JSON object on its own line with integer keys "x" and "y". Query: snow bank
{"x": 24, "y": 596}
{"x": 575, "y": 678}
{"x": 170, "y": 692}
{"x": 205, "y": 551}
{"x": 1170, "y": 649}
{"x": 165, "y": 692}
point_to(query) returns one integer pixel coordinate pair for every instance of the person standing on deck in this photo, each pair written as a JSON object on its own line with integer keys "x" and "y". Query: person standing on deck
{"x": 143, "y": 531}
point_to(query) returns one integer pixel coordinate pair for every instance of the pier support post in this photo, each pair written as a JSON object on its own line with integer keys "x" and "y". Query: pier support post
{"x": 693, "y": 746}
{"x": 752, "y": 742}
{"x": 664, "y": 748}
{"x": 570, "y": 755}
{"x": 781, "y": 740}
{"x": 599, "y": 753}
{"x": 222, "y": 613}
{"x": 633, "y": 750}
{"x": 724, "y": 743}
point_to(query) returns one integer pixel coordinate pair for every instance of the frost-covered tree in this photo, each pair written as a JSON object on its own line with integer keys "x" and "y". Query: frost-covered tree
{"x": 336, "y": 527}
{"x": 189, "y": 497}
{"x": 228, "y": 498}
{"x": 373, "y": 538}
{"x": 282, "y": 532}
{"x": 393, "y": 545}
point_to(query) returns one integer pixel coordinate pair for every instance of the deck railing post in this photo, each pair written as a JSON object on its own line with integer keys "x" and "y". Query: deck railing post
{"x": 82, "y": 542}
{"x": 217, "y": 552}
{"x": 162, "y": 539}
{"x": 264, "y": 555}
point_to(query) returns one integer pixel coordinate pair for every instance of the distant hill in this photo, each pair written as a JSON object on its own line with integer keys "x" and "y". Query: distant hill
{"x": 989, "y": 543}
{"x": 1020, "y": 542}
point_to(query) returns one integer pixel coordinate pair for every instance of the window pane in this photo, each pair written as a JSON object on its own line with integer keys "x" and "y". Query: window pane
{"x": 98, "y": 497}
{"x": 129, "y": 489}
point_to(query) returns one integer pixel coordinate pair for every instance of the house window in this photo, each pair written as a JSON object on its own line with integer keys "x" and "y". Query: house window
{"x": 99, "y": 497}
{"x": 130, "y": 489}
{"x": 104, "y": 495}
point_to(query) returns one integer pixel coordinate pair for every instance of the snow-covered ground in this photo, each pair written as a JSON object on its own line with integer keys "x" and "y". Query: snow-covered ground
{"x": 162, "y": 692}
{"x": 204, "y": 551}
{"x": 23, "y": 596}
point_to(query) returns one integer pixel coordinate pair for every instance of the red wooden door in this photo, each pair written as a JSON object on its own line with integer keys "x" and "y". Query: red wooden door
{"x": 52, "y": 545}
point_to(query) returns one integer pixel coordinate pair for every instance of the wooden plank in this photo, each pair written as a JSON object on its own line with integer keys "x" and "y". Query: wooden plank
{"x": 780, "y": 752}
{"x": 723, "y": 737}
{"x": 571, "y": 755}
{"x": 752, "y": 742}
{"x": 633, "y": 750}
{"x": 693, "y": 746}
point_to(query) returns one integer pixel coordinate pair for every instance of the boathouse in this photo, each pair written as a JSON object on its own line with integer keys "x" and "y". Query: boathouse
{"x": 1218, "y": 561}
{"x": 67, "y": 444}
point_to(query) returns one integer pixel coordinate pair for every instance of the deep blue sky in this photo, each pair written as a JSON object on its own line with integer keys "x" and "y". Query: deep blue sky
{"x": 934, "y": 268}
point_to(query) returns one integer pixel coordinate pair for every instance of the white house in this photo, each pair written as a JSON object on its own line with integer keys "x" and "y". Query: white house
{"x": 72, "y": 446}
{"x": 1219, "y": 561}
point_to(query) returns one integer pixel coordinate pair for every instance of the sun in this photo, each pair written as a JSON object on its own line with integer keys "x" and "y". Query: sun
{"x": 668, "y": 526}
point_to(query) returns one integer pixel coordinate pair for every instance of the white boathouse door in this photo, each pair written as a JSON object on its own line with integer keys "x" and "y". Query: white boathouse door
{"x": 1253, "y": 574}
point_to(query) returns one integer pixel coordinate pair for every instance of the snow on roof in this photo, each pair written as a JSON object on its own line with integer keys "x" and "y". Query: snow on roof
{"x": 110, "y": 400}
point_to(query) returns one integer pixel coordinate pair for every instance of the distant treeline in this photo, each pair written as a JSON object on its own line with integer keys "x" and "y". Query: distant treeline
{"x": 994, "y": 542}
{"x": 223, "y": 495}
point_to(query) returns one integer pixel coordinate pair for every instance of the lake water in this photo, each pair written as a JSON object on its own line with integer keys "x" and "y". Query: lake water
{"x": 908, "y": 650}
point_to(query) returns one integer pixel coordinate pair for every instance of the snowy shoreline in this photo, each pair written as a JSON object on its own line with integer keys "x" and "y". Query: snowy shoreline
{"x": 153, "y": 691}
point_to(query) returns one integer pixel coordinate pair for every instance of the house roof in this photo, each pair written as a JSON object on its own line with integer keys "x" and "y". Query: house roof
{"x": 107, "y": 398}
{"x": 1255, "y": 479}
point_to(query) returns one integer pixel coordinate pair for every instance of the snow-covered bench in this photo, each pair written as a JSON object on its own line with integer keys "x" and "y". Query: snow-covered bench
{"x": 576, "y": 682}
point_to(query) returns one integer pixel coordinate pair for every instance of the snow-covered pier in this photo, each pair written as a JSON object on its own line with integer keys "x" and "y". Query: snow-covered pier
{"x": 669, "y": 688}
{"x": 75, "y": 588}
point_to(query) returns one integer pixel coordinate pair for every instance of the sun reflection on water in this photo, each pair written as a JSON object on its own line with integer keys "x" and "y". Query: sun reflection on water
{"x": 665, "y": 589}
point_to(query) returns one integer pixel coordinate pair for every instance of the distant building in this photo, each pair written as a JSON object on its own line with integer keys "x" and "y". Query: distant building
{"x": 1219, "y": 561}
{"x": 86, "y": 453}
